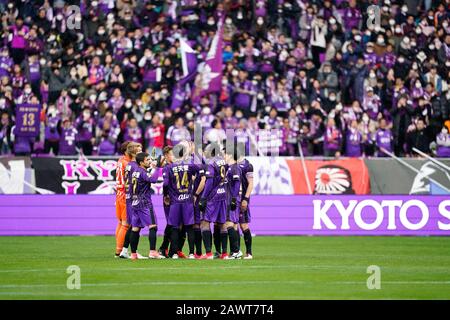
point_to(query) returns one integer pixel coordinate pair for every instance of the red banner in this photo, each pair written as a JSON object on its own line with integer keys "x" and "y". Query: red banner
{"x": 349, "y": 176}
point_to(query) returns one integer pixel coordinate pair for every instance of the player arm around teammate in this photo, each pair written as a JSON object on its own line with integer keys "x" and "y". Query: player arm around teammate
{"x": 143, "y": 212}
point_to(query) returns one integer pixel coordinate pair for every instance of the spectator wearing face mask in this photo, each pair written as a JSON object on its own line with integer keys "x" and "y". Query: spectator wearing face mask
{"x": 85, "y": 126}
{"x": 52, "y": 131}
{"x": 353, "y": 140}
{"x": 418, "y": 137}
{"x": 332, "y": 139}
{"x": 443, "y": 143}
{"x": 383, "y": 139}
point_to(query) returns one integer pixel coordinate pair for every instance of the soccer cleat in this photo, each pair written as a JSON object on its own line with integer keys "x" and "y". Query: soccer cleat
{"x": 155, "y": 255}
{"x": 224, "y": 256}
{"x": 217, "y": 255}
{"x": 197, "y": 256}
{"x": 237, "y": 255}
{"x": 248, "y": 257}
{"x": 192, "y": 256}
{"x": 207, "y": 256}
{"x": 181, "y": 255}
{"x": 134, "y": 256}
{"x": 124, "y": 255}
{"x": 175, "y": 256}
{"x": 141, "y": 257}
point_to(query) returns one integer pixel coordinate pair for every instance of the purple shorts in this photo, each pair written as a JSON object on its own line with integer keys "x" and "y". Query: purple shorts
{"x": 244, "y": 217}
{"x": 233, "y": 215}
{"x": 129, "y": 209}
{"x": 181, "y": 213}
{"x": 143, "y": 217}
{"x": 215, "y": 212}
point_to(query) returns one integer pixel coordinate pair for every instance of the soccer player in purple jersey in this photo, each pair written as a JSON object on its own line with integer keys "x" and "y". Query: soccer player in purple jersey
{"x": 244, "y": 214}
{"x": 164, "y": 249}
{"x": 178, "y": 181}
{"x": 143, "y": 214}
{"x": 199, "y": 184}
{"x": 229, "y": 229}
{"x": 133, "y": 149}
{"x": 213, "y": 202}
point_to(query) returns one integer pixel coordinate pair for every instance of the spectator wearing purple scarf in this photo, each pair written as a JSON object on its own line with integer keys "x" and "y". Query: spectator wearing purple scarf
{"x": 67, "y": 142}
{"x": 332, "y": 139}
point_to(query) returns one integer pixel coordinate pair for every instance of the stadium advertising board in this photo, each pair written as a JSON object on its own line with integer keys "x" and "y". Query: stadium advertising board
{"x": 271, "y": 215}
{"x": 421, "y": 181}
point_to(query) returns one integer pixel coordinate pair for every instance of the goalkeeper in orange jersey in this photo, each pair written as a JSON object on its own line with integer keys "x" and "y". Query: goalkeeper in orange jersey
{"x": 121, "y": 208}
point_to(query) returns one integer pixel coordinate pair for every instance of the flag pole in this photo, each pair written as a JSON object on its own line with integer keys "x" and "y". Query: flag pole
{"x": 439, "y": 163}
{"x": 305, "y": 171}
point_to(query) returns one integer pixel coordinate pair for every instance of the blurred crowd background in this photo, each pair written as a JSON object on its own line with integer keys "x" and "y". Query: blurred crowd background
{"x": 331, "y": 83}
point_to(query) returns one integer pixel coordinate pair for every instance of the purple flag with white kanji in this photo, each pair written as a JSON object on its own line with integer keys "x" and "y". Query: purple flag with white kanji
{"x": 27, "y": 120}
{"x": 209, "y": 77}
{"x": 188, "y": 63}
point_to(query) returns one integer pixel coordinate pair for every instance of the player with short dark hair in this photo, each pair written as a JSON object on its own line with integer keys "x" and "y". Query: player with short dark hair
{"x": 143, "y": 214}
{"x": 233, "y": 200}
{"x": 163, "y": 249}
{"x": 178, "y": 179}
{"x": 244, "y": 213}
{"x": 199, "y": 185}
{"x": 213, "y": 202}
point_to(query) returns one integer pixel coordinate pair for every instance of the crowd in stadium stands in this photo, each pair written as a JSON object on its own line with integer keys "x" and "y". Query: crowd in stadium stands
{"x": 332, "y": 80}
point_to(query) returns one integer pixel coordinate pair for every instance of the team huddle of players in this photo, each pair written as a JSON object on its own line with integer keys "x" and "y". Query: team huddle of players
{"x": 199, "y": 189}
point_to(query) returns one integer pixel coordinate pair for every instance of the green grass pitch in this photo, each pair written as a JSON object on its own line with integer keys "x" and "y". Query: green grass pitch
{"x": 283, "y": 268}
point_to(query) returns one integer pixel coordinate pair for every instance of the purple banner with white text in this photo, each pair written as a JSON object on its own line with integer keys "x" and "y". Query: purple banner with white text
{"x": 271, "y": 215}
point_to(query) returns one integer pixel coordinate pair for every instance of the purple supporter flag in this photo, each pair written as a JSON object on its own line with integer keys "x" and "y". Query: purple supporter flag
{"x": 209, "y": 77}
{"x": 188, "y": 63}
{"x": 27, "y": 120}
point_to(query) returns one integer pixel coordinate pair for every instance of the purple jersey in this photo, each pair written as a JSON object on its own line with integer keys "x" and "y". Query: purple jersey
{"x": 129, "y": 169}
{"x": 216, "y": 180}
{"x": 141, "y": 190}
{"x": 353, "y": 141}
{"x": 246, "y": 173}
{"x": 178, "y": 179}
{"x": 234, "y": 180}
{"x": 383, "y": 140}
{"x": 67, "y": 141}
